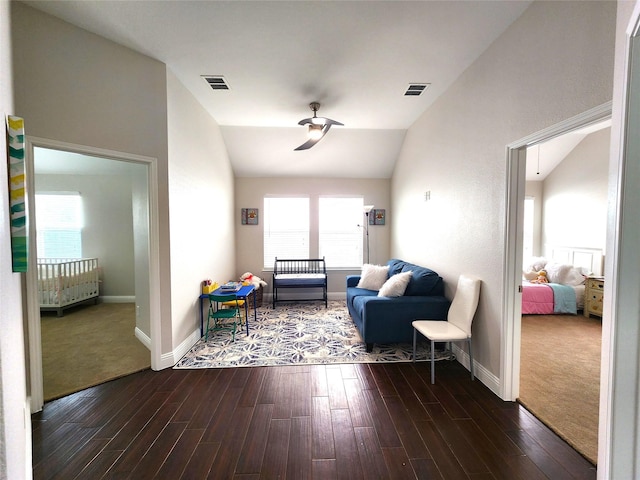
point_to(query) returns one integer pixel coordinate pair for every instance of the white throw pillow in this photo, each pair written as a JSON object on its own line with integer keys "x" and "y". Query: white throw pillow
{"x": 564, "y": 274}
{"x": 536, "y": 264}
{"x": 373, "y": 276}
{"x": 396, "y": 285}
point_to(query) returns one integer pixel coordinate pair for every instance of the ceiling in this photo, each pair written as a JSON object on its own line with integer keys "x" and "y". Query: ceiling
{"x": 356, "y": 58}
{"x": 544, "y": 157}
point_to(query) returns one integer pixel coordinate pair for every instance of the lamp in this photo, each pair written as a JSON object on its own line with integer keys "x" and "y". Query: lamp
{"x": 367, "y": 211}
{"x": 315, "y": 132}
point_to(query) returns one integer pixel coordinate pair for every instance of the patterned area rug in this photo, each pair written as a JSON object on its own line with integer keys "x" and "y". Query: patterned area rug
{"x": 295, "y": 334}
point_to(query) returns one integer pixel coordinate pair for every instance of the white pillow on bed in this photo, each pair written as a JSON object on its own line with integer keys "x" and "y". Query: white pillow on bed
{"x": 373, "y": 276}
{"x": 564, "y": 274}
{"x": 396, "y": 285}
{"x": 536, "y": 264}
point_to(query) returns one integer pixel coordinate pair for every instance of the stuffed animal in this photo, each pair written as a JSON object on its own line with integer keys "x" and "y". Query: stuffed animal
{"x": 254, "y": 279}
{"x": 541, "y": 278}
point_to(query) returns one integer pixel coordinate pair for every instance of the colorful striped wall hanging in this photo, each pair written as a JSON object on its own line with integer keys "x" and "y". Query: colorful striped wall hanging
{"x": 17, "y": 194}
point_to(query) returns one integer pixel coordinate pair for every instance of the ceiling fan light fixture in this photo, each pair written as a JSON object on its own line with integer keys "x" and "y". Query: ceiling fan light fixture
{"x": 315, "y": 132}
{"x": 318, "y": 127}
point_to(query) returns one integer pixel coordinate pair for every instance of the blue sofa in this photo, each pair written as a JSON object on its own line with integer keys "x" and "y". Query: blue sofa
{"x": 388, "y": 319}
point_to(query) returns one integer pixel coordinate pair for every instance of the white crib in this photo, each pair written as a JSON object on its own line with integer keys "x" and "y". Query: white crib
{"x": 63, "y": 283}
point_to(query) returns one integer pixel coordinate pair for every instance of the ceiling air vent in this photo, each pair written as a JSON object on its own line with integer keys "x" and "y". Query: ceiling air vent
{"x": 415, "y": 89}
{"x": 216, "y": 82}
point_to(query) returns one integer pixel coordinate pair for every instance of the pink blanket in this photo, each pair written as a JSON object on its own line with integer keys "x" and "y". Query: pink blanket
{"x": 537, "y": 299}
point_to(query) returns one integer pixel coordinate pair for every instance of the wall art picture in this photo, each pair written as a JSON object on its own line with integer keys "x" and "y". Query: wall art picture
{"x": 17, "y": 194}
{"x": 377, "y": 216}
{"x": 249, "y": 216}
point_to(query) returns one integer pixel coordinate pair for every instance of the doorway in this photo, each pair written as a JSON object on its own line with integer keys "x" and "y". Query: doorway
{"x": 73, "y": 161}
{"x": 516, "y": 192}
{"x": 564, "y": 234}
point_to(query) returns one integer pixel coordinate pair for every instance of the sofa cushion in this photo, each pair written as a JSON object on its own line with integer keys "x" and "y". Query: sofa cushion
{"x": 395, "y": 266}
{"x": 424, "y": 281}
{"x": 395, "y": 285}
{"x": 373, "y": 276}
{"x": 354, "y": 292}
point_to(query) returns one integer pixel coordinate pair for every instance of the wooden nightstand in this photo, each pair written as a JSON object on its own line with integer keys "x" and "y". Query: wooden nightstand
{"x": 594, "y": 289}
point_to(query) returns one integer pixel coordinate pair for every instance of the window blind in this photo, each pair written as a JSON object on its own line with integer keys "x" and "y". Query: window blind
{"x": 59, "y": 225}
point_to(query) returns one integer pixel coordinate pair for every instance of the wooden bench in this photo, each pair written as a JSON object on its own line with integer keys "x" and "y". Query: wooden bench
{"x": 299, "y": 273}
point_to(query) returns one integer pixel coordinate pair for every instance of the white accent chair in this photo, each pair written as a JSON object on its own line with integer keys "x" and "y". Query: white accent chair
{"x": 458, "y": 325}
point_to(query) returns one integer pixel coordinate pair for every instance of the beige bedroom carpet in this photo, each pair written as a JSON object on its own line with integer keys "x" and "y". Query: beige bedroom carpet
{"x": 560, "y": 376}
{"x": 89, "y": 345}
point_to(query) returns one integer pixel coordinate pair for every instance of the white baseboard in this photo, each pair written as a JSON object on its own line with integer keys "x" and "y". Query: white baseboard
{"x": 117, "y": 299}
{"x": 143, "y": 337}
{"x": 480, "y": 372}
{"x": 169, "y": 359}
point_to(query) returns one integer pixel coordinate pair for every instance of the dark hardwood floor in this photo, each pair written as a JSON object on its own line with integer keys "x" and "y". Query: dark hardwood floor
{"x": 355, "y": 421}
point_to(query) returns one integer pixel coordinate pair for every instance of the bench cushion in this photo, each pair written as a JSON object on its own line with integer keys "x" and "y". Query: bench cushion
{"x": 299, "y": 279}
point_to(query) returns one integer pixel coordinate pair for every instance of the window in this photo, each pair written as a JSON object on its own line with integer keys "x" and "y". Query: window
{"x": 286, "y": 228}
{"x": 59, "y": 225}
{"x": 340, "y": 231}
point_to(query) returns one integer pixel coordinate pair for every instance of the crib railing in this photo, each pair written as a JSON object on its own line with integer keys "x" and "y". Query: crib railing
{"x": 64, "y": 282}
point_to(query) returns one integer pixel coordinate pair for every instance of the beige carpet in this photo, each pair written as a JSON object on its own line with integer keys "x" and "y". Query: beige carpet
{"x": 89, "y": 345}
{"x": 560, "y": 376}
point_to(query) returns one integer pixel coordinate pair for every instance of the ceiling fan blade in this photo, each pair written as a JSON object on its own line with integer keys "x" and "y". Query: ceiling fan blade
{"x": 325, "y": 121}
{"x": 308, "y": 144}
{"x": 311, "y": 142}
{"x": 319, "y": 121}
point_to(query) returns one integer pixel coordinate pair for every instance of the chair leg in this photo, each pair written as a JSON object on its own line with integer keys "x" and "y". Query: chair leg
{"x": 415, "y": 334}
{"x": 433, "y": 362}
{"x": 470, "y": 359}
{"x": 206, "y": 335}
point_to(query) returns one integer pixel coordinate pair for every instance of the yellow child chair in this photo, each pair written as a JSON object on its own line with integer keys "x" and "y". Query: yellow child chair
{"x": 220, "y": 318}
{"x": 238, "y": 303}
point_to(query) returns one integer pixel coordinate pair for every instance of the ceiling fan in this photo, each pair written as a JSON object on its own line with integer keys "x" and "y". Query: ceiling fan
{"x": 318, "y": 127}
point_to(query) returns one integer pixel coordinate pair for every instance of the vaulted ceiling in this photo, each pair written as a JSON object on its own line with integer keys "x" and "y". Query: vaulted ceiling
{"x": 357, "y": 58}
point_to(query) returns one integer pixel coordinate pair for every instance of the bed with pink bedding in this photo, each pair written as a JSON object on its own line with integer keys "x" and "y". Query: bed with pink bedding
{"x": 563, "y": 294}
{"x": 551, "y": 298}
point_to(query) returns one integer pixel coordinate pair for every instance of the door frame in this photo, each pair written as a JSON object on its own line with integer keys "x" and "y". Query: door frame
{"x": 36, "y": 391}
{"x": 512, "y": 305}
{"x": 619, "y": 429}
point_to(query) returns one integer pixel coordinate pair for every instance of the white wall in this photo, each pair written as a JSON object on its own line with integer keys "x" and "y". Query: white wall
{"x": 15, "y": 422}
{"x": 103, "y": 95}
{"x": 534, "y": 189}
{"x": 97, "y": 94}
{"x": 107, "y": 233}
{"x": 552, "y": 63}
{"x": 575, "y": 196}
{"x": 201, "y": 192}
{"x": 250, "y": 193}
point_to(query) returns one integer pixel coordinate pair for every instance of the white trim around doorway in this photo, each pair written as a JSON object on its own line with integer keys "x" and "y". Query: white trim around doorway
{"x": 33, "y": 309}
